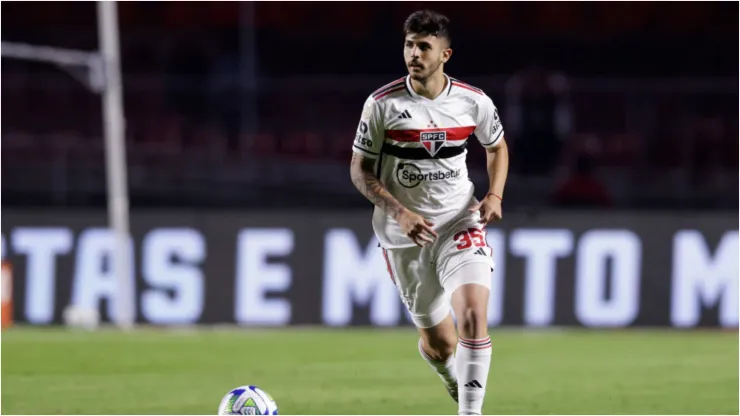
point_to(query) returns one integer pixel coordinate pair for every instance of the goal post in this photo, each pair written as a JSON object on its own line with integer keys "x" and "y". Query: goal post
{"x": 115, "y": 158}
{"x": 103, "y": 77}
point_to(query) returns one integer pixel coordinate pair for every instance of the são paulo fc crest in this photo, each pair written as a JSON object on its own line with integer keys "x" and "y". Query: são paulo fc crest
{"x": 433, "y": 140}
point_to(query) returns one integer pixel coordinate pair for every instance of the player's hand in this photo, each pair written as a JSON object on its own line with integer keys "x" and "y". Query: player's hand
{"x": 489, "y": 208}
{"x": 417, "y": 228}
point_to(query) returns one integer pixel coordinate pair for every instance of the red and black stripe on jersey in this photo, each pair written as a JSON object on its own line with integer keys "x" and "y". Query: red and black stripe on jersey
{"x": 381, "y": 89}
{"x": 460, "y": 84}
{"x": 419, "y": 153}
{"x": 394, "y": 86}
{"x": 454, "y": 134}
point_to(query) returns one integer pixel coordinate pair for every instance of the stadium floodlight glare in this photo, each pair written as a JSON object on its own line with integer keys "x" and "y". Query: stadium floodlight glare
{"x": 103, "y": 76}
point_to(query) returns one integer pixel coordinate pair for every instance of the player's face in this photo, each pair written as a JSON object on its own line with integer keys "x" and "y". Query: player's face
{"x": 424, "y": 55}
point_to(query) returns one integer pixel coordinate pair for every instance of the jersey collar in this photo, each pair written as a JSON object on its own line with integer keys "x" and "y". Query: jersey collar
{"x": 440, "y": 97}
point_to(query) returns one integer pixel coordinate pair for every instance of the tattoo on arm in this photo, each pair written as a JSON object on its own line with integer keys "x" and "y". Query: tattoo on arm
{"x": 370, "y": 186}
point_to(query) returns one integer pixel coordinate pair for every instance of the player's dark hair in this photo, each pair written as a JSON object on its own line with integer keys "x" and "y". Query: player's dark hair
{"x": 428, "y": 22}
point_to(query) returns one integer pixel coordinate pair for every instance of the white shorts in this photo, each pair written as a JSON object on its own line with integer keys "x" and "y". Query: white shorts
{"x": 422, "y": 275}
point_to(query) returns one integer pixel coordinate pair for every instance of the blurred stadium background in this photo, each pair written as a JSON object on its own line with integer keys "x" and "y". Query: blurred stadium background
{"x": 252, "y": 255}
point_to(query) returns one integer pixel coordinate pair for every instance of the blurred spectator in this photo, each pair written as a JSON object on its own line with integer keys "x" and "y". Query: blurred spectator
{"x": 188, "y": 67}
{"x": 538, "y": 118}
{"x": 709, "y": 143}
{"x": 582, "y": 190}
{"x": 706, "y": 136}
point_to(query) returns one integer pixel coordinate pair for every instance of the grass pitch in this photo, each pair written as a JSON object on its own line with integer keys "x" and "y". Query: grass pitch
{"x": 368, "y": 371}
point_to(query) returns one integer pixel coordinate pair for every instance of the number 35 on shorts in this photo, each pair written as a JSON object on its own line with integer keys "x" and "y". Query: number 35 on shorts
{"x": 472, "y": 237}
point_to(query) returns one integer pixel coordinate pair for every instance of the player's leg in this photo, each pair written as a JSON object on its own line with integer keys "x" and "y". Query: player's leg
{"x": 464, "y": 265}
{"x": 469, "y": 285}
{"x": 429, "y": 307}
{"x": 437, "y": 347}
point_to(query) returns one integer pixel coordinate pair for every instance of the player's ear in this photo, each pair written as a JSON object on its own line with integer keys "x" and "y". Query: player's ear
{"x": 446, "y": 54}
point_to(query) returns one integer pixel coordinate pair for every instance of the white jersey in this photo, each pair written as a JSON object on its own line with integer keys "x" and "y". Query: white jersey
{"x": 419, "y": 147}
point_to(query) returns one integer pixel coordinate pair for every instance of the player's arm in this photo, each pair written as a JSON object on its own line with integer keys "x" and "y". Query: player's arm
{"x": 490, "y": 133}
{"x": 364, "y": 179}
{"x": 413, "y": 225}
{"x": 365, "y": 150}
{"x": 497, "y": 164}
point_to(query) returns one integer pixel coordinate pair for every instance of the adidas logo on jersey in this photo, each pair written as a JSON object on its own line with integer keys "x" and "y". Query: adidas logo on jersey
{"x": 405, "y": 114}
{"x": 480, "y": 251}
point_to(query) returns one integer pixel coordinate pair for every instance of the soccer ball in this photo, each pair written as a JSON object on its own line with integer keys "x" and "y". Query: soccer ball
{"x": 247, "y": 400}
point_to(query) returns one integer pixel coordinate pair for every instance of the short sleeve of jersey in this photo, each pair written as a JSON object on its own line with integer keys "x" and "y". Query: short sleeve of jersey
{"x": 489, "y": 129}
{"x": 370, "y": 131}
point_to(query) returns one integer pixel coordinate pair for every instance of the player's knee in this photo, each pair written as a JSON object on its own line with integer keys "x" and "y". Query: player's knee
{"x": 473, "y": 322}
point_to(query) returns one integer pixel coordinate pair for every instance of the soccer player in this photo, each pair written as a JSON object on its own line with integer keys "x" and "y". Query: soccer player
{"x": 409, "y": 160}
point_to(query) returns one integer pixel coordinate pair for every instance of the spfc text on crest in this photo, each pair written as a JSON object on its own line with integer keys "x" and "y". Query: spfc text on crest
{"x": 433, "y": 140}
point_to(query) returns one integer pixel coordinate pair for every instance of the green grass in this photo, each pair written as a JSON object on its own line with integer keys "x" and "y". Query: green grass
{"x": 321, "y": 371}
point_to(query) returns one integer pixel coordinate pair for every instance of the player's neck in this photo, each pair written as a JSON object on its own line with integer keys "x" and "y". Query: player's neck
{"x": 431, "y": 87}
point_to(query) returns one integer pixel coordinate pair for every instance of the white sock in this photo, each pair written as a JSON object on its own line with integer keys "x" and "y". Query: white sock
{"x": 473, "y": 359}
{"x": 445, "y": 369}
